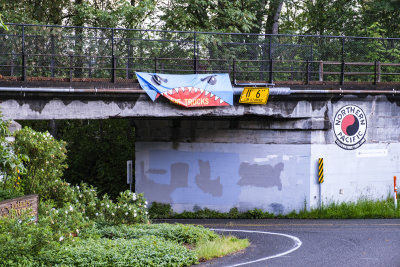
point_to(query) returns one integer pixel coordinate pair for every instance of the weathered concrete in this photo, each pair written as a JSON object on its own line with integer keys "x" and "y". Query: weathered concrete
{"x": 268, "y": 161}
{"x": 137, "y": 106}
{"x": 246, "y": 156}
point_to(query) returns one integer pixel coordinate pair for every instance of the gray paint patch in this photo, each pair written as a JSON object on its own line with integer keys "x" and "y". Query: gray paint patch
{"x": 156, "y": 192}
{"x": 204, "y": 182}
{"x": 156, "y": 171}
{"x": 261, "y": 175}
{"x": 179, "y": 175}
{"x": 277, "y": 208}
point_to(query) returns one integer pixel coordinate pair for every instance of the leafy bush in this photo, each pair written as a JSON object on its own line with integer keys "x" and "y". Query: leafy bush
{"x": 178, "y": 232}
{"x": 129, "y": 208}
{"x": 199, "y": 213}
{"x": 144, "y": 251}
{"x": 46, "y": 161}
{"x": 160, "y": 211}
{"x": 11, "y": 163}
{"x": 21, "y": 240}
{"x": 9, "y": 194}
{"x": 66, "y": 222}
{"x": 257, "y": 214}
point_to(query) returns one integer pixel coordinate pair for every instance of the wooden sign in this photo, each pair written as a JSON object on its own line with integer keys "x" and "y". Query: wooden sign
{"x": 18, "y": 205}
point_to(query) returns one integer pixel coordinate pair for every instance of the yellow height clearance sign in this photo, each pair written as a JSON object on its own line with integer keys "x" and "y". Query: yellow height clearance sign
{"x": 254, "y": 95}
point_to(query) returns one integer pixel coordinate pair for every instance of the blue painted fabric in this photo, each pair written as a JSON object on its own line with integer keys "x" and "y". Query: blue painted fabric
{"x": 157, "y": 83}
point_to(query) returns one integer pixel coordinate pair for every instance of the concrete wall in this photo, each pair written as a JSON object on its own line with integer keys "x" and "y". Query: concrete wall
{"x": 268, "y": 161}
{"x": 222, "y": 176}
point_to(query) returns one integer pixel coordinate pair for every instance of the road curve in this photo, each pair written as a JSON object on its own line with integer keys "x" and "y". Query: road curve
{"x": 324, "y": 242}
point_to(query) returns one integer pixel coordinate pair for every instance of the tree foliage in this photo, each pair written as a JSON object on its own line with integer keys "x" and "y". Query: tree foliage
{"x": 11, "y": 163}
{"x": 46, "y": 160}
{"x": 97, "y": 151}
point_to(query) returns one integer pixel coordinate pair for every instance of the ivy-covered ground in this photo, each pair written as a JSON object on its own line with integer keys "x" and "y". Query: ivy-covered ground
{"x": 76, "y": 226}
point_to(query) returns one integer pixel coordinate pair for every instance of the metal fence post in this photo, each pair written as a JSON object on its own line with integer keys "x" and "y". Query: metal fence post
{"x": 113, "y": 59}
{"x": 321, "y": 71}
{"x": 71, "y": 66}
{"x": 234, "y": 70}
{"x": 271, "y": 76}
{"x": 129, "y": 61}
{"x": 379, "y": 72}
{"x": 12, "y": 64}
{"x": 342, "y": 68}
{"x": 52, "y": 55}
{"x": 307, "y": 71}
{"x": 90, "y": 66}
{"x": 23, "y": 55}
{"x": 342, "y": 73}
{"x": 194, "y": 53}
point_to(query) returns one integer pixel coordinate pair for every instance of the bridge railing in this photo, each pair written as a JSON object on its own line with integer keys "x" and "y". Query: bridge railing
{"x": 49, "y": 52}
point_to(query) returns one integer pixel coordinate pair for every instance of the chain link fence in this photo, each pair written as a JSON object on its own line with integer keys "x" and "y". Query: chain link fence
{"x": 46, "y": 52}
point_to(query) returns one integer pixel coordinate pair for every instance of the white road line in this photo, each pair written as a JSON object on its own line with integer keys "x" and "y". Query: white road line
{"x": 297, "y": 244}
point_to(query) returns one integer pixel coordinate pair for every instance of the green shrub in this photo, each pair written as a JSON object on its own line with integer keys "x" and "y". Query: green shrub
{"x": 46, "y": 161}
{"x": 160, "y": 211}
{"x": 9, "y": 194}
{"x": 129, "y": 208}
{"x": 144, "y": 251}
{"x": 257, "y": 214}
{"x": 177, "y": 232}
{"x": 66, "y": 222}
{"x": 199, "y": 213}
{"x": 234, "y": 213}
{"x": 11, "y": 163}
{"x": 21, "y": 240}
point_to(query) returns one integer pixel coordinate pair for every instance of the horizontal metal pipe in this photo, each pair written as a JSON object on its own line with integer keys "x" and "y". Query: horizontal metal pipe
{"x": 354, "y": 92}
{"x": 236, "y": 91}
{"x": 71, "y": 90}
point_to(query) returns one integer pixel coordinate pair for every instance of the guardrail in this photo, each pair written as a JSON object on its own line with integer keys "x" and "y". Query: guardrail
{"x": 51, "y": 52}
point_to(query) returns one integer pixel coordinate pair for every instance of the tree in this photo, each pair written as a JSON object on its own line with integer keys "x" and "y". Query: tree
{"x": 384, "y": 12}
{"x": 274, "y": 13}
{"x": 97, "y": 151}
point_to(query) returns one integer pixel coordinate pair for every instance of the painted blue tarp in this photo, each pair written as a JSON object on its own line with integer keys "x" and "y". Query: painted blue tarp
{"x": 190, "y": 90}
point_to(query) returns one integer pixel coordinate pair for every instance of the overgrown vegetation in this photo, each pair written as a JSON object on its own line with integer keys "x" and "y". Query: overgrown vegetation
{"x": 76, "y": 226}
{"x": 220, "y": 247}
{"x": 361, "y": 209}
{"x": 97, "y": 151}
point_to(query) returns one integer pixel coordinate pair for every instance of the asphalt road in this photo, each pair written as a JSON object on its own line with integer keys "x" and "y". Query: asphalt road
{"x": 321, "y": 242}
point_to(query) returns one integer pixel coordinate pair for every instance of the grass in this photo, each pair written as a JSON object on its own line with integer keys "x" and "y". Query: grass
{"x": 219, "y": 247}
{"x": 364, "y": 208}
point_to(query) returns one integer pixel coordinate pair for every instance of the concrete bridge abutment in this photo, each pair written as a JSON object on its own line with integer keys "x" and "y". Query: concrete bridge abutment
{"x": 247, "y": 156}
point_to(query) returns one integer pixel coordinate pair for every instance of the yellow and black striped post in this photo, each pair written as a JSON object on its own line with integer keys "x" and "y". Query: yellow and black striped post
{"x": 320, "y": 170}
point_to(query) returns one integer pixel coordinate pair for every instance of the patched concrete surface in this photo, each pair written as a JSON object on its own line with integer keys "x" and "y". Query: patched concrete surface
{"x": 272, "y": 162}
{"x": 223, "y": 176}
{"x": 245, "y": 156}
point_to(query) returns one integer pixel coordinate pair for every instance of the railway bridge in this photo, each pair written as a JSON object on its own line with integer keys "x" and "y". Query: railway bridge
{"x": 335, "y": 98}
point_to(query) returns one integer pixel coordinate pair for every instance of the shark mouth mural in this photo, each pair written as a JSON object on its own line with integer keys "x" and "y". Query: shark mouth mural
{"x": 194, "y": 97}
{"x": 193, "y": 90}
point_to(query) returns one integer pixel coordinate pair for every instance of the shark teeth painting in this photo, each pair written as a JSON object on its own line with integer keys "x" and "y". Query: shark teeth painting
{"x": 190, "y": 90}
{"x": 194, "y": 98}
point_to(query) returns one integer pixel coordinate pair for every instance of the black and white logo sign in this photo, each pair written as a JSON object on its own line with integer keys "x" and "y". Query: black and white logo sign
{"x": 350, "y": 126}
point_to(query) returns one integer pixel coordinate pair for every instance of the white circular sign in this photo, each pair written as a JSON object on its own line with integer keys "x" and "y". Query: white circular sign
{"x": 350, "y": 127}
